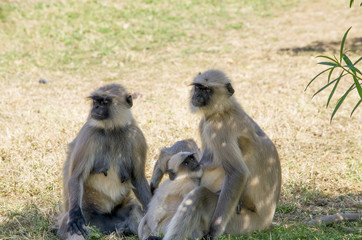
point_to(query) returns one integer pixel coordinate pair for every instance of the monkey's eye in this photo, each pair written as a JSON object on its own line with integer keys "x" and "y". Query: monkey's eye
{"x": 185, "y": 163}
{"x": 105, "y": 101}
{"x": 199, "y": 86}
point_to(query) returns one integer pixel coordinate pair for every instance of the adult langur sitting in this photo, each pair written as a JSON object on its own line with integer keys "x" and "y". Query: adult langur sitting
{"x": 239, "y": 161}
{"x": 104, "y": 163}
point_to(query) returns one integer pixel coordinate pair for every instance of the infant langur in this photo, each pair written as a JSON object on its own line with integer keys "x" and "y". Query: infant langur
{"x": 185, "y": 173}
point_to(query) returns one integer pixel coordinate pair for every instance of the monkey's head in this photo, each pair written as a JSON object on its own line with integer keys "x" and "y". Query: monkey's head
{"x": 184, "y": 164}
{"x": 111, "y": 106}
{"x": 211, "y": 90}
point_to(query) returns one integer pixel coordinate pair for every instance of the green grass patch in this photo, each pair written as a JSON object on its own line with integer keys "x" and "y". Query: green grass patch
{"x": 74, "y": 35}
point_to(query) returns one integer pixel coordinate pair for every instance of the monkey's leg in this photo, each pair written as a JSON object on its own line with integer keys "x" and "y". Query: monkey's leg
{"x": 105, "y": 223}
{"x": 247, "y": 221}
{"x": 133, "y": 215}
{"x": 124, "y": 218}
{"x": 197, "y": 207}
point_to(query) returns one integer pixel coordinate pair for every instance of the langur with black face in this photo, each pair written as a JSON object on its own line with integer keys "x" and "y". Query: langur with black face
{"x": 187, "y": 145}
{"x": 104, "y": 163}
{"x": 185, "y": 174}
{"x": 239, "y": 161}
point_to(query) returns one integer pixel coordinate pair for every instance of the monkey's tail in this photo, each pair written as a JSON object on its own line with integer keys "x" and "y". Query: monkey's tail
{"x": 337, "y": 218}
{"x": 143, "y": 230}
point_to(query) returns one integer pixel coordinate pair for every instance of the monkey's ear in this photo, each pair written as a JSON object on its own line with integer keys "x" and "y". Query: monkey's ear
{"x": 171, "y": 174}
{"x": 136, "y": 95}
{"x": 129, "y": 100}
{"x": 230, "y": 89}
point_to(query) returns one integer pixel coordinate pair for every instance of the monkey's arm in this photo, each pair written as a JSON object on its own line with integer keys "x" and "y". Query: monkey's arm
{"x": 156, "y": 178}
{"x": 236, "y": 176}
{"x": 80, "y": 168}
{"x": 159, "y": 169}
{"x": 76, "y": 223}
{"x": 141, "y": 188}
{"x": 138, "y": 179}
{"x": 207, "y": 159}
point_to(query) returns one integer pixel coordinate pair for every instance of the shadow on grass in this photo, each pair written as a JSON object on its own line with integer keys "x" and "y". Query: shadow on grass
{"x": 27, "y": 223}
{"x": 353, "y": 44}
{"x": 301, "y": 202}
{"x": 32, "y": 223}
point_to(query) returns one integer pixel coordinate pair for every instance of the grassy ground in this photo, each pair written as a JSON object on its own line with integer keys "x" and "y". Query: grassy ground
{"x": 156, "y": 48}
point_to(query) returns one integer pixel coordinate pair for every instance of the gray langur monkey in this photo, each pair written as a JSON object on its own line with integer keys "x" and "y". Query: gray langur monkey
{"x": 104, "y": 163}
{"x": 187, "y": 145}
{"x": 185, "y": 174}
{"x": 239, "y": 162}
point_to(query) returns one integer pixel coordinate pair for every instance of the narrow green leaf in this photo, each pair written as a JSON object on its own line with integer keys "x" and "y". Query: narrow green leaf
{"x": 330, "y": 73}
{"x": 356, "y": 86}
{"x": 334, "y": 89}
{"x": 346, "y": 59}
{"x": 316, "y": 77}
{"x": 355, "y": 107}
{"x": 336, "y": 60}
{"x": 342, "y": 45}
{"x": 327, "y": 63}
{"x": 340, "y": 101}
{"x": 350, "y": 3}
{"x": 354, "y": 69}
{"x": 324, "y": 87}
{"x": 359, "y": 88}
{"x": 350, "y": 65}
{"x": 357, "y": 61}
{"x": 329, "y": 58}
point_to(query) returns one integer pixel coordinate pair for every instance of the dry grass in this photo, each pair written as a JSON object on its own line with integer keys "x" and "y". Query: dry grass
{"x": 156, "y": 48}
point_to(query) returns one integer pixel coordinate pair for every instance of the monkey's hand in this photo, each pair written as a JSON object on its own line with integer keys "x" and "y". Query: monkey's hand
{"x": 207, "y": 237}
{"x": 76, "y": 223}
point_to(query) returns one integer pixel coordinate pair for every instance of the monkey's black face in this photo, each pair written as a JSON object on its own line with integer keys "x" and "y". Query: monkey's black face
{"x": 202, "y": 95}
{"x": 191, "y": 163}
{"x": 101, "y": 106}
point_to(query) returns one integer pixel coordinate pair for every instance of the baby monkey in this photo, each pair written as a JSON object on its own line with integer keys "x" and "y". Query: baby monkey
{"x": 185, "y": 173}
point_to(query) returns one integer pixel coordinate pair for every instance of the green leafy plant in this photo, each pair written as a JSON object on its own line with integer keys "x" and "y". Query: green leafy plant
{"x": 346, "y": 67}
{"x": 351, "y": 2}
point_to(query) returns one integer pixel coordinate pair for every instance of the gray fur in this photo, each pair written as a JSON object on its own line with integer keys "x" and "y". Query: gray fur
{"x": 104, "y": 163}
{"x": 187, "y": 145}
{"x": 240, "y": 164}
{"x": 170, "y": 194}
